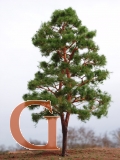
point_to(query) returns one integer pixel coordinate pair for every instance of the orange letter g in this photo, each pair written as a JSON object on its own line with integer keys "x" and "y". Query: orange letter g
{"x": 15, "y": 130}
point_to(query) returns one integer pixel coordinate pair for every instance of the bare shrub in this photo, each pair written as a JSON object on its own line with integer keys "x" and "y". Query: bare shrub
{"x": 11, "y": 148}
{"x": 20, "y": 148}
{"x": 84, "y": 138}
{"x": 35, "y": 142}
{"x": 116, "y": 137}
{"x": 77, "y": 138}
{"x": 3, "y": 148}
{"x": 72, "y": 138}
{"x": 104, "y": 141}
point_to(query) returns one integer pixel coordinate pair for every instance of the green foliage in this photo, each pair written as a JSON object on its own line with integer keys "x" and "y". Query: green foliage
{"x": 72, "y": 76}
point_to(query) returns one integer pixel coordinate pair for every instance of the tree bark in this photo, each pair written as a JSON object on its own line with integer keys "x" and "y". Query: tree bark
{"x": 64, "y": 123}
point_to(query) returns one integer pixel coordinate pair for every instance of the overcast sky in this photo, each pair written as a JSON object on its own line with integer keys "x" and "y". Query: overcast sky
{"x": 19, "y": 21}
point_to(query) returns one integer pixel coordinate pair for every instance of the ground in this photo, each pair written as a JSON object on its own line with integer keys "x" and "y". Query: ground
{"x": 74, "y": 154}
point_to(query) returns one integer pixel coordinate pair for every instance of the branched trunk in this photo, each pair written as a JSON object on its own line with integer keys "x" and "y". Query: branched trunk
{"x": 64, "y": 123}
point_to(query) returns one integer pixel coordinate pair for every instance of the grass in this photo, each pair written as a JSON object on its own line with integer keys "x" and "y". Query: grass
{"x": 73, "y": 154}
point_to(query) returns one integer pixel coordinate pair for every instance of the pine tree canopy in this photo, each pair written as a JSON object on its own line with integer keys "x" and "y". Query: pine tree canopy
{"x": 71, "y": 77}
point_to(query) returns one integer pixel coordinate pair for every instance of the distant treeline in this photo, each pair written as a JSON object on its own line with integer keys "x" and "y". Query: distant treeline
{"x": 78, "y": 138}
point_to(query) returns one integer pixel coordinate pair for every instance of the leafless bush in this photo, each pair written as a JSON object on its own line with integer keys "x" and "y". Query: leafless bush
{"x": 104, "y": 141}
{"x": 116, "y": 137}
{"x": 84, "y": 138}
{"x": 72, "y": 137}
{"x": 3, "y": 148}
{"x": 20, "y": 148}
{"x": 35, "y": 142}
{"x": 11, "y": 148}
{"x": 77, "y": 138}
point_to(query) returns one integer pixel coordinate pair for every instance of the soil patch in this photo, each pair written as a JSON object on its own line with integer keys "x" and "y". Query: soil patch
{"x": 72, "y": 154}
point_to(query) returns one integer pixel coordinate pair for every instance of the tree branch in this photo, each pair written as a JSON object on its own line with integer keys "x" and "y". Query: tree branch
{"x": 63, "y": 27}
{"x": 88, "y": 62}
{"x": 72, "y": 54}
{"x": 60, "y": 85}
{"x": 67, "y": 118}
{"x": 78, "y": 99}
{"x": 48, "y": 89}
{"x": 55, "y": 110}
{"x": 55, "y": 86}
{"x": 58, "y": 52}
{"x": 93, "y": 108}
{"x": 64, "y": 54}
{"x": 53, "y": 28}
{"x": 71, "y": 45}
{"x": 86, "y": 81}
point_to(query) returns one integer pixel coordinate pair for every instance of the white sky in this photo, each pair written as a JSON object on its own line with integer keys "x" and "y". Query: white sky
{"x": 19, "y": 20}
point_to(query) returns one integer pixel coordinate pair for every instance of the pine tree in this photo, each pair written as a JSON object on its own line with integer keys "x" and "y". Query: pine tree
{"x": 71, "y": 77}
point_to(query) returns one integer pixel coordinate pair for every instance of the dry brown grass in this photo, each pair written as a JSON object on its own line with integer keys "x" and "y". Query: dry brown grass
{"x": 73, "y": 154}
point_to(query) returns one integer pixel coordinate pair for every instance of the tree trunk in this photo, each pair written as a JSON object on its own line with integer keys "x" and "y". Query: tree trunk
{"x": 64, "y": 140}
{"x": 64, "y": 123}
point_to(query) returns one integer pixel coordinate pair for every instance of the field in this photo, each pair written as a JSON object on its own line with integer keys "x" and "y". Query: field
{"x": 73, "y": 154}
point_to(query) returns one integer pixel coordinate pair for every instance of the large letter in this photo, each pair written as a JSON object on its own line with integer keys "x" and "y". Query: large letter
{"x": 15, "y": 130}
